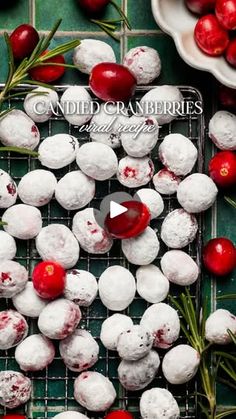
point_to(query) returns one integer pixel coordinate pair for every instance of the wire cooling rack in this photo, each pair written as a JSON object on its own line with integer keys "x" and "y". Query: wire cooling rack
{"x": 53, "y": 388}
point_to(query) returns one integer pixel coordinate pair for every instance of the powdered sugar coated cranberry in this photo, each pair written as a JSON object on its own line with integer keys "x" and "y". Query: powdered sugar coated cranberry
{"x": 222, "y": 130}
{"x": 139, "y": 144}
{"x": 35, "y": 353}
{"x": 164, "y": 323}
{"x": 58, "y": 151}
{"x": 41, "y": 102}
{"x": 37, "y": 187}
{"x": 79, "y": 351}
{"x": 8, "y": 190}
{"x": 178, "y": 154}
{"x": 28, "y": 303}
{"x": 152, "y": 199}
{"x": 94, "y": 391}
{"x": 136, "y": 375}
{"x": 13, "y": 329}
{"x": 97, "y": 160}
{"x": 17, "y": 129}
{"x": 144, "y": 62}
{"x": 81, "y": 287}
{"x": 75, "y": 190}
{"x": 143, "y": 249}
{"x": 15, "y": 389}
{"x": 22, "y": 221}
{"x": 59, "y": 319}
{"x": 57, "y": 243}
{"x": 13, "y": 278}
{"x": 7, "y": 246}
{"x": 179, "y": 228}
{"x": 91, "y": 236}
{"x": 91, "y": 52}
{"x": 135, "y": 172}
{"x": 166, "y": 182}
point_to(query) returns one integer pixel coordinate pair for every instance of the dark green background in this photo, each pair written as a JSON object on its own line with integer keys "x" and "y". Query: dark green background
{"x": 219, "y": 221}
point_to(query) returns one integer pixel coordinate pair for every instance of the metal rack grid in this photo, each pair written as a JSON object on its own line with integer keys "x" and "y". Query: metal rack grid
{"x": 53, "y": 388}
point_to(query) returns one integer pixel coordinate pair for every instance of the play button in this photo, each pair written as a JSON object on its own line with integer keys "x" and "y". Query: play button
{"x": 112, "y": 204}
{"x": 116, "y": 209}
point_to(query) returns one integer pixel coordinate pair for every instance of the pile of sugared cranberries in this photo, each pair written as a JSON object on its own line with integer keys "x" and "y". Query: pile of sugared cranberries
{"x": 215, "y": 30}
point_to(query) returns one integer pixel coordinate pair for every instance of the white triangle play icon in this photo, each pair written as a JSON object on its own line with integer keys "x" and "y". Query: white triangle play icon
{"x": 116, "y": 209}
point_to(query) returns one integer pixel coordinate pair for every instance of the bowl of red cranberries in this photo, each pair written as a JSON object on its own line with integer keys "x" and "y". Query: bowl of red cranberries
{"x": 204, "y": 32}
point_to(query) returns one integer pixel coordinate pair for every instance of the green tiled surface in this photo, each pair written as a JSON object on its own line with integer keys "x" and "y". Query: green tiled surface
{"x": 73, "y": 18}
{"x": 140, "y": 14}
{"x": 13, "y": 13}
{"x": 218, "y": 221}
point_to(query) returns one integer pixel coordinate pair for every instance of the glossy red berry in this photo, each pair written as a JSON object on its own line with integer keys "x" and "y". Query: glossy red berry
{"x": 49, "y": 279}
{"x": 131, "y": 223}
{"x": 200, "y": 7}
{"x": 210, "y": 36}
{"x": 49, "y": 73}
{"x": 222, "y": 169}
{"x": 226, "y": 13}
{"x": 219, "y": 256}
{"x": 227, "y": 98}
{"x": 13, "y": 417}
{"x": 119, "y": 414}
{"x": 231, "y": 53}
{"x": 112, "y": 82}
{"x": 23, "y": 41}
{"x": 92, "y": 7}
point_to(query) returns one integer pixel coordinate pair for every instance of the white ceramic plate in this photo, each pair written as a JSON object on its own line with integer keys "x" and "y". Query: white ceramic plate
{"x": 173, "y": 17}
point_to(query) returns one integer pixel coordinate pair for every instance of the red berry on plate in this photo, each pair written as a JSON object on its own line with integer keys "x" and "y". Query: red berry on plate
{"x": 49, "y": 73}
{"x": 131, "y": 223}
{"x": 112, "y": 82}
{"x": 227, "y": 97}
{"x": 200, "y": 7}
{"x": 219, "y": 256}
{"x": 49, "y": 279}
{"x": 231, "y": 53}
{"x": 13, "y": 416}
{"x": 23, "y": 41}
{"x": 222, "y": 169}
{"x": 119, "y": 414}
{"x": 226, "y": 13}
{"x": 210, "y": 37}
{"x": 92, "y": 7}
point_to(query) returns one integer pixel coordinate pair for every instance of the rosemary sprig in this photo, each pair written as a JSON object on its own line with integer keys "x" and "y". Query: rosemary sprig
{"x": 193, "y": 326}
{"x": 232, "y": 335}
{"x": 111, "y": 25}
{"x": 107, "y": 27}
{"x": 122, "y": 15}
{"x": 226, "y": 297}
{"x": 19, "y": 150}
{"x": 20, "y": 74}
{"x": 230, "y": 201}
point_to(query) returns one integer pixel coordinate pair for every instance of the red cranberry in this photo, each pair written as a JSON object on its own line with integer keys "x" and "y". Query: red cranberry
{"x": 23, "y": 41}
{"x": 231, "y": 53}
{"x": 92, "y": 7}
{"x": 227, "y": 98}
{"x": 219, "y": 256}
{"x": 49, "y": 279}
{"x": 131, "y": 223}
{"x": 112, "y": 82}
{"x": 210, "y": 36}
{"x": 226, "y": 13}
{"x": 49, "y": 73}
{"x": 119, "y": 414}
{"x": 200, "y": 7}
{"x": 222, "y": 169}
